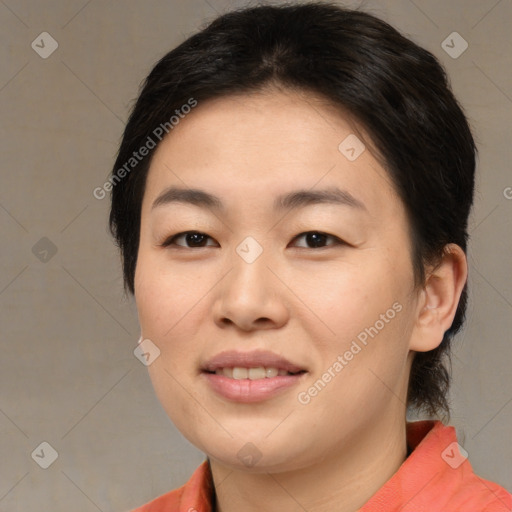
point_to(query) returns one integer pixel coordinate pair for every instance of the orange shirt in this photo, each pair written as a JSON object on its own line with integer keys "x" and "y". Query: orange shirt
{"x": 436, "y": 477}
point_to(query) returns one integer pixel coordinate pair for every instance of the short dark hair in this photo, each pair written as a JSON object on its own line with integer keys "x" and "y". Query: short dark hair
{"x": 397, "y": 91}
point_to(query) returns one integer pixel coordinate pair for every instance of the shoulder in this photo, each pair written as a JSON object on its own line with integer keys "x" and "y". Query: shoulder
{"x": 437, "y": 476}
{"x": 196, "y": 494}
{"x": 168, "y": 502}
{"x": 472, "y": 492}
{"x": 454, "y": 484}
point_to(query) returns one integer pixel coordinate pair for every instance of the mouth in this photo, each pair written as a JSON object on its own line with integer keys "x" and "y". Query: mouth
{"x": 249, "y": 377}
{"x": 252, "y": 373}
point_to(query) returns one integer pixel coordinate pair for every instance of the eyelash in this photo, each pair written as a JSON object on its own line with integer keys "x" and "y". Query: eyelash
{"x": 171, "y": 240}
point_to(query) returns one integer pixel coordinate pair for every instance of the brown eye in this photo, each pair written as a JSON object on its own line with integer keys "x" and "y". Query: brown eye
{"x": 317, "y": 239}
{"x": 192, "y": 239}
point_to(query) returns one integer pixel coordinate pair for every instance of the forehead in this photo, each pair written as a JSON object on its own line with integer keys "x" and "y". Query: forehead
{"x": 261, "y": 145}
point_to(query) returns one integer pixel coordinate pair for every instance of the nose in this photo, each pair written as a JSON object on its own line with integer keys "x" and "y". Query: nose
{"x": 250, "y": 297}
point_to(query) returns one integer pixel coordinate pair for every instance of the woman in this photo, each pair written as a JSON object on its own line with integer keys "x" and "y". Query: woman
{"x": 290, "y": 198}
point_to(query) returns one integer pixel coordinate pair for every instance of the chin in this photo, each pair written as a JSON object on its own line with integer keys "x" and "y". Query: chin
{"x": 255, "y": 454}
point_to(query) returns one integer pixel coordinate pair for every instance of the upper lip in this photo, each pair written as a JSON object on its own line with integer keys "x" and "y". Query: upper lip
{"x": 256, "y": 358}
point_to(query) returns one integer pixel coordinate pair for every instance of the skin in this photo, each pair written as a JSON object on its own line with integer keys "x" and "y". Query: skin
{"x": 305, "y": 303}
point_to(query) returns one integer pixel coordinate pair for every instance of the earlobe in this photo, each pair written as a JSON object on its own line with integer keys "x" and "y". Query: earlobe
{"x": 439, "y": 299}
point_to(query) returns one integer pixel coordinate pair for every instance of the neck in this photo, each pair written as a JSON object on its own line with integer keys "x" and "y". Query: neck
{"x": 344, "y": 481}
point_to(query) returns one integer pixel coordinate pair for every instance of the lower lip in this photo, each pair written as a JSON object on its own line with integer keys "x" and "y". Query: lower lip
{"x": 248, "y": 391}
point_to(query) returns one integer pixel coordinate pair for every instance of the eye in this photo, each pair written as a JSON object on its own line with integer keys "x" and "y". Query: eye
{"x": 318, "y": 239}
{"x": 197, "y": 239}
{"x": 193, "y": 239}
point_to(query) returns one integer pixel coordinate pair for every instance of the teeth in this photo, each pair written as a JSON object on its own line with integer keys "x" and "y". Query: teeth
{"x": 240, "y": 373}
{"x": 271, "y": 372}
{"x": 228, "y": 372}
{"x": 259, "y": 372}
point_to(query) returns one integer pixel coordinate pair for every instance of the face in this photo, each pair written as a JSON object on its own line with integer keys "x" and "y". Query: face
{"x": 300, "y": 265}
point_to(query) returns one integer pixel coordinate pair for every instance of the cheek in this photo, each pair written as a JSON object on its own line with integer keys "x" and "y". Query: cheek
{"x": 346, "y": 299}
{"x": 162, "y": 296}
{"x": 172, "y": 305}
{"x": 363, "y": 314}
{"x": 165, "y": 306}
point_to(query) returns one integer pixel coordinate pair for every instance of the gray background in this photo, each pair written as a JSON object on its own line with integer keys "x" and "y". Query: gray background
{"x": 68, "y": 375}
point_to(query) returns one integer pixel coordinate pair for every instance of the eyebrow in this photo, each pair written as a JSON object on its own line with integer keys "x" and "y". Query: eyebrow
{"x": 291, "y": 200}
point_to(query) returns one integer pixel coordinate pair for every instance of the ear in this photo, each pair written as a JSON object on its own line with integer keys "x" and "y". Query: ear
{"x": 438, "y": 300}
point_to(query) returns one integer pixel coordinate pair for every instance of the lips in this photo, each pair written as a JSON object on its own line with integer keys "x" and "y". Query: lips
{"x": 254, "y": 359}
{"x": 249, "y": 377}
